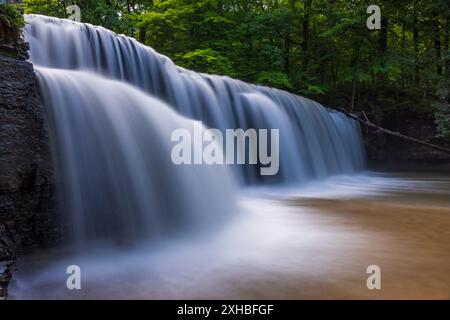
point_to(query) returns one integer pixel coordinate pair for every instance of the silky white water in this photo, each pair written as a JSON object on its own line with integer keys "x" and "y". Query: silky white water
{"x": 315, "y": 142}
{"x": 111, "y": 106}
{"x": 298, "y": 245}
{"x": 113, "y": 160}
{"x": 111, "y": 133}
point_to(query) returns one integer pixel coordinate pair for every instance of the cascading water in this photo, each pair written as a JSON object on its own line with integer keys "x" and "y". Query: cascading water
{"x": 112, "y": 105}
{"x": 114, "y": 160}
{"x": 112, "y": 138}
{"x": 315, "y": 142}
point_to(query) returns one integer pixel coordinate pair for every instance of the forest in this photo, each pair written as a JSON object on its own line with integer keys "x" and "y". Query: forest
{"x": 321, "y": 49}
{"x": 123, "y": 176}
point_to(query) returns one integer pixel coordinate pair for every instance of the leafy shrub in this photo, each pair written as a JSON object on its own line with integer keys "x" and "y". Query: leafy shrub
{"x": 11, "y": 17}
{"x": 442, "y": 120}
{"x": 274, "y": 79}
{"x": 205, "y": 60}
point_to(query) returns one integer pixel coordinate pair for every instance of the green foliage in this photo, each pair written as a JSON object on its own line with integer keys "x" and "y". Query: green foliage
{"x": 442, "y": 120}
{"x": 54, "y": 8}
{"x": 313, "y": 89}
{"x": 11, "y": 17}
{"x": 317, "y": 48}
{"x": 102, "y": 13}
{"x": 274, "y": 79}
{"x": 206, "y": 61}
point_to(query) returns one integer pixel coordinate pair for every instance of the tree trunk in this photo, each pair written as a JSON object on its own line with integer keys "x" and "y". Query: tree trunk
{"x": 352, "y": 106}
{"x": 357, "y": 57}
{"x": 416, "y": 49}
{"x": 142, "y": 35}
{"x": 287, "y": 54}
{"x": 447, "y": 57}
{"x": 437, "y": 45}
{"x": 403, "y": 35}
{"x": 288, "y": 44}
{"x": 383, "y": 40}
{"x": 292, "y": 3}
{"x": 328, "y": 48}
{"x": 306, "y": 34}
{"x": 220, "y": 7}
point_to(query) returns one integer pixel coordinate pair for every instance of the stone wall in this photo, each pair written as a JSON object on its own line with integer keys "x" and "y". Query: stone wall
{"x": 27, "y": 217}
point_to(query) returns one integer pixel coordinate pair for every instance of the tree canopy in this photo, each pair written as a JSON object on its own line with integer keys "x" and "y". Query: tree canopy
{"x": 316, "y": 48}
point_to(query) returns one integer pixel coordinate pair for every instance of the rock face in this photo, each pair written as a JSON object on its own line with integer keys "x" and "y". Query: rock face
{"x": 27, "y": 217}
{"x": 5, "y": 276}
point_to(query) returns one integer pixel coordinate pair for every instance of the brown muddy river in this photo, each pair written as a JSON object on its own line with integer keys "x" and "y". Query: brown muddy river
{"x": 314, "y": 242}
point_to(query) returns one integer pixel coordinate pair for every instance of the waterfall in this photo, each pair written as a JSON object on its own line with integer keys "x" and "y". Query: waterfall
{"x": 112, "y": 104}
{"x": 315, "y": 142}
{"x": 113, "y": 158}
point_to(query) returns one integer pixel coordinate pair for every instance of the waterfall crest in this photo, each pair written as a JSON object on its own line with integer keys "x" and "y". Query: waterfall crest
{"x": 112, "y": 105}
{"x": 315, "y": 142}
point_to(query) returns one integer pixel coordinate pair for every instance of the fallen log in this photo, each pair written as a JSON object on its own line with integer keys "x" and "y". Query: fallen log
{"x": 369, "y": 124}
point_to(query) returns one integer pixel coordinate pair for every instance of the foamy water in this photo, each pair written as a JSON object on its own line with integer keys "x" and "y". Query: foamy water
{"x": 300, "y": 245}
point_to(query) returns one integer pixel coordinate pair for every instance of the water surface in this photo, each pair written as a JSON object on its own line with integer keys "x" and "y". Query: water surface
{"x": 285, "y": 244}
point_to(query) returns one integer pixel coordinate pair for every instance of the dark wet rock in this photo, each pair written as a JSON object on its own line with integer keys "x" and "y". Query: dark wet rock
{"x": 6, "y": 268}
{"x": 27, "y": 218}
